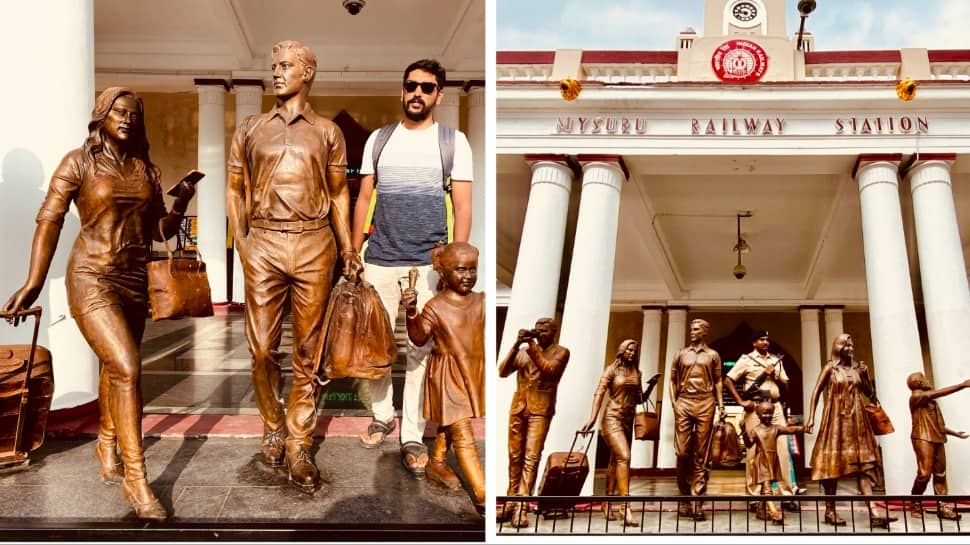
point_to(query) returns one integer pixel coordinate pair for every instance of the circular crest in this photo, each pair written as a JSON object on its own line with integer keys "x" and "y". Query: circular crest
{"x": 739, "y": 61}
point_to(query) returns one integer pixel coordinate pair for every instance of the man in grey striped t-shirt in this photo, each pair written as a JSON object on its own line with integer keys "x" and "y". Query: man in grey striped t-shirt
{"x": 409, "y": 219}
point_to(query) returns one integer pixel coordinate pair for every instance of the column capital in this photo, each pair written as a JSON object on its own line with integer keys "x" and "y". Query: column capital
{"x": 585, "y": 159}
{"x": 607, "y": 173}
{"x": 872, "y": 173}
{"x": 866, "y": 159}
{"x": 533, "y": 158}
{"x": 927, "y": 171}
{"x": 834, "y": 307}
{"x": 551, "y": 171}
{"x": 653, "y": 307}
{"x": 247, "y": 83}
{"x": 674, "y": 308}
{"x": 251, "y": 95}
{"x": 810, "y": 307}
{"x": 451, "y": 99}
{"x": 476, "y": 97}
{"x": 201, "y": 83}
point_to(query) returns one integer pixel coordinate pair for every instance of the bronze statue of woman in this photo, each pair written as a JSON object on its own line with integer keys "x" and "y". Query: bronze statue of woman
{"x": 846, "y": 445}
{"x": 118, "y": 195}
{"x": 621, "y": 382}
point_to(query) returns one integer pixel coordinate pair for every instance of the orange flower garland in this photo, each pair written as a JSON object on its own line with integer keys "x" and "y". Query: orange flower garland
{"x": 906, "y": 89}
{"x": 569, "y": 88}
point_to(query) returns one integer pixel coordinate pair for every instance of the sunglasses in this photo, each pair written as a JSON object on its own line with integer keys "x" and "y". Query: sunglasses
{"x": 427, "y": 87}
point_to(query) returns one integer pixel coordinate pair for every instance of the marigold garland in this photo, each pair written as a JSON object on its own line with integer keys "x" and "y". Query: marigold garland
{"x": 906, "y": 89}
{"x": 569, "y": 88}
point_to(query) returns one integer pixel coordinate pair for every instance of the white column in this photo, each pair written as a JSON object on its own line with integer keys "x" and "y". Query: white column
{"x": 676, "y": 337}
{"x": 249, "y": 101}
{"x": 536, "y": 284}
{"x": 211, "y": 194}
{"x": 586, "y": 314}
{"x": 811, "y": 367}
{"x": 447, "y": 112}
{"x": 833, "y": 328}
{"x": 946, "y": 297}
{"x": 892, "y": 316}
{"x": 480, "y": 208}
{"x": 641, "y": 452}
{"x": 42, "y": 124}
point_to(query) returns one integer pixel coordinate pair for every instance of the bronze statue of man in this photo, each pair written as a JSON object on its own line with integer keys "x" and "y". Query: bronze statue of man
{"x": 695, "y": 393}
{"x": 929, "y": 438}
{"x": 539, "y": 364}
{"x": 289, "y": 209}
{"x": 761, "y": 377}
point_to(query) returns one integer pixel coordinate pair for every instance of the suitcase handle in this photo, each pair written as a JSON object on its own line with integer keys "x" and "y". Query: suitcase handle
{"x": 25, "y": 396}
{"x": 572, "y": 448}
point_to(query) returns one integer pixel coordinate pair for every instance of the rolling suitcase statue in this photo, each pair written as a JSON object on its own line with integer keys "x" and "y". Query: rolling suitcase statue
{"x": 564, "y": 475}
{"x": 26, "y": 389}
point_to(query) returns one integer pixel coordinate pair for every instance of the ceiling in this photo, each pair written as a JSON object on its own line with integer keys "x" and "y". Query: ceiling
{"x": 164, "y": 45}
{"x": 678, "y": 227}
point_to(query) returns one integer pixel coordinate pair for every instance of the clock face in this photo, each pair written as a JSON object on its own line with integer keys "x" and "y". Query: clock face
{"x": 745, "y": 11}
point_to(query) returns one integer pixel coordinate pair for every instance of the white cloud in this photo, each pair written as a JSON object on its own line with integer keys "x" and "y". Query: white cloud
{"x": 626, "y": 25}
{"x": 654, "y": 25}
{"x": 949, "y": 32}
{"x": 514, "y": 39}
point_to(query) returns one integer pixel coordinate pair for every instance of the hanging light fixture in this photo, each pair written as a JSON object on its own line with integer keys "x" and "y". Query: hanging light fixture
{"x": 742, "y": 247}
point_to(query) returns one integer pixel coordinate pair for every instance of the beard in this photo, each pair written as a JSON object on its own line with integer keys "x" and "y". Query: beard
{"x": 420, "y": 115}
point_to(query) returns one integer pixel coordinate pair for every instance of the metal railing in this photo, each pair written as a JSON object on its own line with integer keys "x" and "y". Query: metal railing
{"x": 731, "y": 514}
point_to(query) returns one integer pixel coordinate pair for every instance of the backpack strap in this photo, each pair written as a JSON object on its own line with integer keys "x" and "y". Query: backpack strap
{"x": 383, "y": 135}
{"x": 446, "y": 146}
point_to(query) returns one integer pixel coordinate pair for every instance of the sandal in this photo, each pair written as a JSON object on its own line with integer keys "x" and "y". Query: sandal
{"x": 414, "y": 456}
{"x": 379, "y": 429}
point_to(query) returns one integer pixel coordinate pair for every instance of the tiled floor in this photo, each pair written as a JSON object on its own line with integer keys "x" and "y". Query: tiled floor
{"x": 202, "y": 432}
{"x": 202, "y": 366}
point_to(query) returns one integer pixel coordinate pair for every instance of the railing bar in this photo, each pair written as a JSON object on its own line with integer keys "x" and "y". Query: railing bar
{"x": 660, "y": 516}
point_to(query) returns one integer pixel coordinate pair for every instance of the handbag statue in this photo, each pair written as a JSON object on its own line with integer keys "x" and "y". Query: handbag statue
{"x": 646, "y": 424}
{"x": 878, "y": 419}
{"x": 358, "y": 340}
{"x": 178, "y": 287}
{"x": 725, "y": 447}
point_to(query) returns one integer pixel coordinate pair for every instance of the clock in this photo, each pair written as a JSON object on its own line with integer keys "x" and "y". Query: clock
{"x": 744, "y": 12}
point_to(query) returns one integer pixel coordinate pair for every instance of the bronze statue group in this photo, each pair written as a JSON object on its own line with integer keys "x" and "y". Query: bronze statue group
{"x": 845, "y": 439}
{"x": 288, "y": 206}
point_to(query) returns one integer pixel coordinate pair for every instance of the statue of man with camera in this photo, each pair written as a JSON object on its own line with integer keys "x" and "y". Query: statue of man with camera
{"x": 539, "y": 364}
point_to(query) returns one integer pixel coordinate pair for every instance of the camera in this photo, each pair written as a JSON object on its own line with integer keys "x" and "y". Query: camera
{"x": 530, "y": 334}
{"x": 740, "y": 271}
{"x": 353, "y": 7}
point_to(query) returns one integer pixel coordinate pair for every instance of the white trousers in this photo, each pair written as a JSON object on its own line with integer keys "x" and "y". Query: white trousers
{"x": 389, "y": 282}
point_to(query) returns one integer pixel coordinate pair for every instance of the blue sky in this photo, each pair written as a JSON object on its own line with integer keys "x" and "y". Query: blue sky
{"x": 654, "y": 24}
